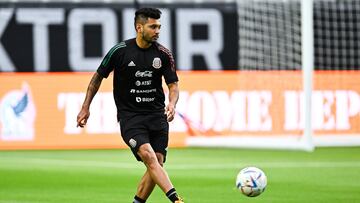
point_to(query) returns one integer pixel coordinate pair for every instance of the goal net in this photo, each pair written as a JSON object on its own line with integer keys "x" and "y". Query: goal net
{"x": 272, "y": 37}
{"x": 284, "y": 41}
{"x": 297, "y": 85}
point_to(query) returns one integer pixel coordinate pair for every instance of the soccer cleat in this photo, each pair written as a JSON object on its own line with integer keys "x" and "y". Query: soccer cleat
{"x": 180, "y": 200}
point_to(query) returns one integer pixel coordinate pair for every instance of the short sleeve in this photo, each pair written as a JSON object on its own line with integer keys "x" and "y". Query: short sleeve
{"x": 109, "y": 61}
{"x": 170, "y": 74}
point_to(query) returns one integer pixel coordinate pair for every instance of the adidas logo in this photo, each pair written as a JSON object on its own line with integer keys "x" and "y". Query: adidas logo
{"x": 131, "y": 63}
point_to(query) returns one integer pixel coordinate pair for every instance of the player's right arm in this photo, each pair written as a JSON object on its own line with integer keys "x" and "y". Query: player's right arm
{"x": 92, "y": 89}
{"x": 107, "y": 65}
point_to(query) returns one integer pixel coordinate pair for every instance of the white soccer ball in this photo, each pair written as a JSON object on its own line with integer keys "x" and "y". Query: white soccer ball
{"x": 251, "y": 181}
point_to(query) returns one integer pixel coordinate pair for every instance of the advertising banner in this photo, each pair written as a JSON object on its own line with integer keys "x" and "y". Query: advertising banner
{"x": 265, "y": 109}
{"x": 38, "y": 110}
{"x": 73, "y": 37}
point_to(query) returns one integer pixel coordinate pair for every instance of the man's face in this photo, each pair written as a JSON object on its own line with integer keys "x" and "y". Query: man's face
{"x": 150, "y": 30}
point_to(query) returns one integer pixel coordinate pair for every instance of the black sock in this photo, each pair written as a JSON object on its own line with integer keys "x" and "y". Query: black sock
{"x": 172, "y": 195}
{"x": 138, "y": 200}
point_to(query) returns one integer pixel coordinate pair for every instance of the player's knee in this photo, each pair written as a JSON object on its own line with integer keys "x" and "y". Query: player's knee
{"x": 148, "y": 156}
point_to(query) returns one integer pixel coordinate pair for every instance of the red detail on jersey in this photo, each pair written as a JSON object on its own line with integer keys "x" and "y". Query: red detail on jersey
{"x": 169, "y": 54}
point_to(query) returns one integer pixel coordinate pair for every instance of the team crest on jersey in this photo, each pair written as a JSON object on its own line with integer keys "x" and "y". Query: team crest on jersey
{"x": 132, "y": 143}
{"x": 156, "y": 63}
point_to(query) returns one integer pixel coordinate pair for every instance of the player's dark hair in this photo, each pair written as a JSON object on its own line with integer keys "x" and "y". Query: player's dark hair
{"x": 142, "y": 15}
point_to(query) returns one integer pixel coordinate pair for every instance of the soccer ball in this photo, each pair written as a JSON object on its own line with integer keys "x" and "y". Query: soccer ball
{"x": 251, "y": 181}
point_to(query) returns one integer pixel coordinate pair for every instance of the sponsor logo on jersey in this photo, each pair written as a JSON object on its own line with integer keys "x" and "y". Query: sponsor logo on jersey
{"x": 156, "y": 63}
{"x": 143, "y": 83}
{"x": 131, "y": 63}
{"x": 145, "y": 99}
{"x": 142, "y": 91}
{"x": 142, "y": 74}
{"x": 17, "y": 115}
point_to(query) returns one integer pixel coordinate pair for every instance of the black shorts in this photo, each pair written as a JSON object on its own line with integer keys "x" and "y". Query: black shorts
{"x": 138, "y": 129}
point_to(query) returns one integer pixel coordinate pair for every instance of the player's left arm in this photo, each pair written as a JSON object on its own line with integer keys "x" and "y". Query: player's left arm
{"x": 173, "y": 98}
{"x": 171, "y": 80}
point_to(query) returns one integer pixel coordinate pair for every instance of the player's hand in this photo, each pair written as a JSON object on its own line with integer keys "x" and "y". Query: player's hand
{"x": 83, "y": 117}
{"x": 170, "y": 112}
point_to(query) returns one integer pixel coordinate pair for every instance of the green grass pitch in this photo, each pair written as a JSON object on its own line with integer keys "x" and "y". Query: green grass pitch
{"x": 199, "y": 174}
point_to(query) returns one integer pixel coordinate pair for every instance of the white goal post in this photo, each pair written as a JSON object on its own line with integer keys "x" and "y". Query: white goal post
{"x": 299, "y": 68}
{"x": 274, "y": 35}
{"x": 294, "y": 21}
{"x": 307, "y": 42}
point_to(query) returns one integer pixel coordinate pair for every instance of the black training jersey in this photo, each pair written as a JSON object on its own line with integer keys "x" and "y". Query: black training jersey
{"x": 138, "y": 76}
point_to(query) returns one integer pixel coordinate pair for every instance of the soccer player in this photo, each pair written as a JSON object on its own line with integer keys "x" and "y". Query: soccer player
{"x": 139, "y": 65}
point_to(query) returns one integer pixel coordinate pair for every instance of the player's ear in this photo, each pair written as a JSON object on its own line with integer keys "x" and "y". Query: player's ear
{"x": 139, "y": 27}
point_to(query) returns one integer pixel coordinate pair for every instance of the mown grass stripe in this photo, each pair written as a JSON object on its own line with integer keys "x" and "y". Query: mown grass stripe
{"x": 104, "y": 164}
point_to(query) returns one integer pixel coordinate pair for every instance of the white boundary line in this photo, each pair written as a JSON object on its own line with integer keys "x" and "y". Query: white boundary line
{"x": 272, "y": 142}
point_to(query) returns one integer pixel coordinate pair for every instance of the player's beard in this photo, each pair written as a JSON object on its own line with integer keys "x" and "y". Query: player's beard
{"x": 149, "y": 39}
